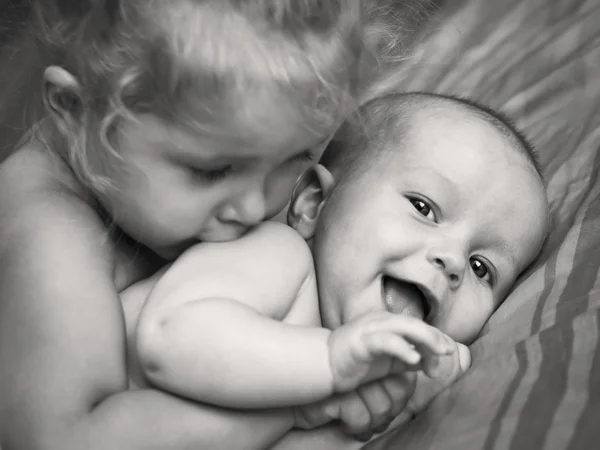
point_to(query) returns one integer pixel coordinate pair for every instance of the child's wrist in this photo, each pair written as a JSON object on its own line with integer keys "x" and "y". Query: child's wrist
{"x": 333, "y": 388}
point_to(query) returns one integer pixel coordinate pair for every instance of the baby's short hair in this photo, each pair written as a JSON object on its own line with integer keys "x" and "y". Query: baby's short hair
{"x": 361, "y": 139}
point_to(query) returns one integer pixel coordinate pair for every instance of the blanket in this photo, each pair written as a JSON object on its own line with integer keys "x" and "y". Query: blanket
{"x": 535, "y": 379}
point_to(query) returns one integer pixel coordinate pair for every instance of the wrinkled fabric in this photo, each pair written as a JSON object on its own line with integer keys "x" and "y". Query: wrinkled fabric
{"x": 535, "y": 379}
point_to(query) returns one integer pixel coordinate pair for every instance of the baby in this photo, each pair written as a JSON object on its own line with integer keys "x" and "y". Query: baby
{"x": 419, "y": 219}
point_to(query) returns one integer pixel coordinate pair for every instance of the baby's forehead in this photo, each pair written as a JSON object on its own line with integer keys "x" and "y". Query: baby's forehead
{"x": 451, "y": 120}
{"x": 434, "y": 135}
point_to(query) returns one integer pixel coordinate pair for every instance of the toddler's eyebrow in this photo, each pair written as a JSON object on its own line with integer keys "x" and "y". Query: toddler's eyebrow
{"x": 196, "y": 157}
{"x": 191, "y": 155}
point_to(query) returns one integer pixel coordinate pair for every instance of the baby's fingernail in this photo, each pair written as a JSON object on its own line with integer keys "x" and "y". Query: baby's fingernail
{"x": 363, "y": 437}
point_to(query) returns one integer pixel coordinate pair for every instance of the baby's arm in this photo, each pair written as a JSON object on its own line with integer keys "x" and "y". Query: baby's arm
{"x": 213, "y": 327}
{"x": 355, "y": 420}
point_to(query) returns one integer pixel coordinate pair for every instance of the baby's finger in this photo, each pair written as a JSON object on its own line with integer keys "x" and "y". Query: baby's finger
{"x": 423, "y": 336}
{"x": 430, "y": 364}
{"x": 450, "y": 369}
{"x": 431, "y": 358}
{"x": 447, "y": 366}
{"x": 394, "y": 346}
{"x": 464, "y": 356}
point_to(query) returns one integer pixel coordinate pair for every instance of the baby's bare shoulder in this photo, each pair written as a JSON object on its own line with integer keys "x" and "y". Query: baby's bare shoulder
{"x": 278, "y": 237}
{"x": 269, "y": 242}
{"x": 275, "y": 246}
{"x": 265, "y": 267}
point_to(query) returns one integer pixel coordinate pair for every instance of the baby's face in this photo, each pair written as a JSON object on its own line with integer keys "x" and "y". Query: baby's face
{"x": 438, "y": 229}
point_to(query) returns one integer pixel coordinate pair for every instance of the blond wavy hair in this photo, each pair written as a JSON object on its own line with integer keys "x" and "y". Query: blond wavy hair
{"x": 189, "y": 60}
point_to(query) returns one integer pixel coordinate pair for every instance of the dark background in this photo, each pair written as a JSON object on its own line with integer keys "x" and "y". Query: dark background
{"x": 13, "y": 15}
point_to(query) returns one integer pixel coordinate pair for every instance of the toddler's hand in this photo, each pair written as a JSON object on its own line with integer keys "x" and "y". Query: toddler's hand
{"x": 372, "y": 407}
{"x": 361, "y": 413}
{"x": 382, "y": 344}
{"x": 317, "y": 414}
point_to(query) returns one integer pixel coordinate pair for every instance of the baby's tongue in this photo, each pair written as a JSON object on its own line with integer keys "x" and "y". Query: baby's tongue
{"x": 403, "y": 298}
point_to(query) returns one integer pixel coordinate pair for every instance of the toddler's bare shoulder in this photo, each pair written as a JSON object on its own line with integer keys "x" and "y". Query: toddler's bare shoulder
{"x": 32, "y": 175}
{"x": 38, "y": 199}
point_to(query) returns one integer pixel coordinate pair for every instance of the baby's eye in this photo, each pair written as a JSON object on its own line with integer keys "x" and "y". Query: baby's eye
{"x": 479, "y": 268}
{"x": 423, "y": 208}
{"x": 212, "y": 175}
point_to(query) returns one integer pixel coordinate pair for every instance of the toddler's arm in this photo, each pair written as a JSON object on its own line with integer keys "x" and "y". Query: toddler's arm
{"x": 62, "y": 360}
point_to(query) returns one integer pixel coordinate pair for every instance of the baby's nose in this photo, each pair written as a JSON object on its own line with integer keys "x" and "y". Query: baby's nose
{"x": 451, "y": 261}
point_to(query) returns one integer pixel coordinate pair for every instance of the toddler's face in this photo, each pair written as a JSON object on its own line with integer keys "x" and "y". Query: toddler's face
{"x": 439, "y": 229}
{"x": 182, "y": 187}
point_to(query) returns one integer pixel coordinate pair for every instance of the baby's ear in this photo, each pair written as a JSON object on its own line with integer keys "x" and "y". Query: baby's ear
{"x": 62, "y": 96}
{"x": 309, "y": 197}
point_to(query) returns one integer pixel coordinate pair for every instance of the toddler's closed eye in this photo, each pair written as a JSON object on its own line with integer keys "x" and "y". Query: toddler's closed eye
{"x": 212, "y": 175}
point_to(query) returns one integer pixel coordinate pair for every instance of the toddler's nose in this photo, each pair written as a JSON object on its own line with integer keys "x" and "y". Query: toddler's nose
{"x": 248, "y": 209}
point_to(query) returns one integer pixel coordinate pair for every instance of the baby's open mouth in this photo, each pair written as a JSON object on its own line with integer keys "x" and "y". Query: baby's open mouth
{"x": 403, "y": 297}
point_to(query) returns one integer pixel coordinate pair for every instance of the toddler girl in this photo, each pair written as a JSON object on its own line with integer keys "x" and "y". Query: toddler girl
{"x": 168, "y": 123}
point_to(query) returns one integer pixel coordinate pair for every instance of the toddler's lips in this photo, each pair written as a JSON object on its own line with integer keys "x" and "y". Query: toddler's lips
{"x": 402, "y": 297}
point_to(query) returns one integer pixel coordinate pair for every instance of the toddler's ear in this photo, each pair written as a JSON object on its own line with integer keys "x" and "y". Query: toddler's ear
{"x": 62, "y": 96}
{"x": 309, "y": 197}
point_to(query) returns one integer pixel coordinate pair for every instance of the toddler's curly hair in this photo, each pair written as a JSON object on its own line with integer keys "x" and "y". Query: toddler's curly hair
{"x": 189, "y": 61}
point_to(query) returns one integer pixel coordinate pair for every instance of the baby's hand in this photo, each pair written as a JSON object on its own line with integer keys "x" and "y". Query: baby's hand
{"x": 451, "y": 367}
{"x": 382, "y": 344}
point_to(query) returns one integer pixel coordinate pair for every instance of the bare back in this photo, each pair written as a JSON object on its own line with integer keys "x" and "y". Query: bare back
{"x": 34, "y": 175}
{"x": 61, "y": 273}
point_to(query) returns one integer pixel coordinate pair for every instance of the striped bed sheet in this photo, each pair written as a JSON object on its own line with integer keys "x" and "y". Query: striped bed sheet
{"x": 535, "y": 379}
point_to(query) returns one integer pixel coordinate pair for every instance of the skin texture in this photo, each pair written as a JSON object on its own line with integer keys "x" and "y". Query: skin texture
{"x": 450, "y": 193}
{"x": 181, "y": 188}
{"x": 50, "y": 228}
{"x": 180, "y": 305}
{"x": 444, "y": 210}
{"x": 220, "y": 327}
{"x": 66, "y": 268}
{"x": 457, "y": 244}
